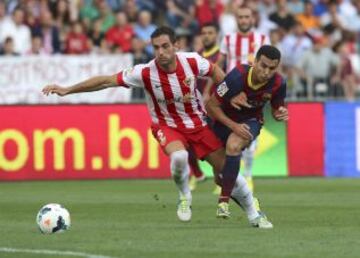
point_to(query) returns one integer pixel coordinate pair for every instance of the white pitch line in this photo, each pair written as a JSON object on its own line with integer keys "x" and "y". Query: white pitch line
{"x": 51, "y": 252}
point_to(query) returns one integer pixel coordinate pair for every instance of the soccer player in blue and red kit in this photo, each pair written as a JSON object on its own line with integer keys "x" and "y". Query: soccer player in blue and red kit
{"x": 237, "y": 105}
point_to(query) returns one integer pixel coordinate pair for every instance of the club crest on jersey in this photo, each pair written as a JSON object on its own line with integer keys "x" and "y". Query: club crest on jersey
{"x": 187, "y": 98}
{"x": 222, "y": 89}
{"x": 188, "y": 80}
{"x": 266, "y": 96}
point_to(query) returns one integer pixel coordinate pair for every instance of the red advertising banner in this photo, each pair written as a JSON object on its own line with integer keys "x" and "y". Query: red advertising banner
{"x": 78, "y": 142}
{"x": 306, "y": 139}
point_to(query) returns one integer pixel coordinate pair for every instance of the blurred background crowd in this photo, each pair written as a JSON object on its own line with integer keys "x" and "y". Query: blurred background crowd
{"x": 319, "y": 39}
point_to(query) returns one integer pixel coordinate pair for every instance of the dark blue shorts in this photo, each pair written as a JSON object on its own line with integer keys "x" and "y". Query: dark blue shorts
{"x": 223, "y": 132}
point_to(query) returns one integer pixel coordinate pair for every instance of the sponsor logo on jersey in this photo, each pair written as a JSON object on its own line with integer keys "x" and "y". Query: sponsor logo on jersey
{"x": 222, "y": 89}
{"x": 187, "y": 98}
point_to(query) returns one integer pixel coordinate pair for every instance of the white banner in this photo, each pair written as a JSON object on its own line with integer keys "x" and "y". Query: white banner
{"x": 22, "y": 78}
{"x": 357, "y": 136}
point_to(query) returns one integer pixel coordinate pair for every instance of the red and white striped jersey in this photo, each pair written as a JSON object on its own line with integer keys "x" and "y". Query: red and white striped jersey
{"x": 172, "y": 97}
{"x": 241, "y": 49}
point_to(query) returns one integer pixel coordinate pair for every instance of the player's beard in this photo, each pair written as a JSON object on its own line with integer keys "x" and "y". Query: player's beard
{"x": 209, "y": 46}
{"x": 165, "y": 63}
{"x": 245, "y": 29}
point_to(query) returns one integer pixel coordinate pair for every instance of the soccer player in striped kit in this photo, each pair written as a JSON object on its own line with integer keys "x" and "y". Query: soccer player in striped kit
{"x": 240, "y": 48}
{"x": 178, "y": 120}
{"x": 211, "y": 51}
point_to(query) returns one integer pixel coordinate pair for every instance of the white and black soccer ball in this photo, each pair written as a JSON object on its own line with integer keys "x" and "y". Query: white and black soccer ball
{"x": 53, "y": 218}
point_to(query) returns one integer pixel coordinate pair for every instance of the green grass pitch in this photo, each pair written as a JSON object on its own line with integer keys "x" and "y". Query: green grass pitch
{"x": 136, "y": 218}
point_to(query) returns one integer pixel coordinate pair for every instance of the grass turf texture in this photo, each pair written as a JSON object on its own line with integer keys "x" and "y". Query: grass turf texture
{"x": 312, "y": 217}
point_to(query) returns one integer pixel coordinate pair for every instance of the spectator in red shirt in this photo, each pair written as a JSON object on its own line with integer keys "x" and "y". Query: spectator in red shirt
{"x": 208, "y": 11}
{"x": 121, "y": 33}
{"x": 76, "y": 41}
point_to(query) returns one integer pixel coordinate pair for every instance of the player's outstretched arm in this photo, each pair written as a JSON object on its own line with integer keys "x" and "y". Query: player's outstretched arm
{"x": 217, "y": 75}
{"x": 93, "y": 84}
{"x": 280, "y": 114}
{"x": 215, "y": 112}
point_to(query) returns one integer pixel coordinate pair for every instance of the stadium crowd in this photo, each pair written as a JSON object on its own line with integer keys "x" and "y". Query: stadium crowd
{"x": 318, "y": 39}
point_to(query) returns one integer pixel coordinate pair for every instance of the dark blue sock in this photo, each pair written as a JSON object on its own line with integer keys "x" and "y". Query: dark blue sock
{"x": 229, "y": 174}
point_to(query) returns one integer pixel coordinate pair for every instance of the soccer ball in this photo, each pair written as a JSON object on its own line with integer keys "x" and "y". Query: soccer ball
{"x": 53, "y": 218}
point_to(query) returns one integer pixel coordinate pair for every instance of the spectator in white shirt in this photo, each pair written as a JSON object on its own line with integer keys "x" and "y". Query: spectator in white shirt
{"x": 15, "y": 28}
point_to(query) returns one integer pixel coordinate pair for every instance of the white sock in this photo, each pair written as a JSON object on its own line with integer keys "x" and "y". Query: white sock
{"x": 248, "y": 157}
{"x": 180, "y": 172}
{"x": 242, "y": 194}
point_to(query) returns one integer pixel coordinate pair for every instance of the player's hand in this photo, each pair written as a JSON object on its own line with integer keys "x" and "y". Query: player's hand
{"x": 243, "y": 130}
{"x": 281, "y": 114}
{"x": 54, "y": 89}
{"x": 239, "y": 101}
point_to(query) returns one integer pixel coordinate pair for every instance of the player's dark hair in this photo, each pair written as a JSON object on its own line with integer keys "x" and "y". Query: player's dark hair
{"x": 163, "y": 30}
{"x": 268, "y": 51}
{"x": 210, "y": 24}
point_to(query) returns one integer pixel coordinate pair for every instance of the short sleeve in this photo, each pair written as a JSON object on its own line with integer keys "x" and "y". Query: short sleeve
{"x": 230, "y": 87}
{"x": 205, "y": 66}
{"x": 278, "y": 99}
{"x": 131, "y": 77}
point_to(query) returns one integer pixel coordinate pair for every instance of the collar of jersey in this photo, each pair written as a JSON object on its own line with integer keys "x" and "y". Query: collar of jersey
{"x": 210, "y": 52}
{"x": 251, "y": 85}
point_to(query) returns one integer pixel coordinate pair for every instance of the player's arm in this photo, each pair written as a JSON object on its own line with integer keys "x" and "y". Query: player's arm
{"x": 221, "y": 60}
{"x": 207, "y": 90}
{"x": 217, "y": 75}
{"x": 93, "y": 84}
{"x": 279, "y": 111}
{"x": 210, "y": 70}
{"x": 213, "y": 107}
{"x": 236, "y": 99}
{"x": 280, "y": 114}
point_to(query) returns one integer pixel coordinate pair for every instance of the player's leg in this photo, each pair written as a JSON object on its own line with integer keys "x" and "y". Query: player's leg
{"x": 248, "y": 158}
{"x": 230, "y": 171}
{"x": 179, "y": 167}
{"x": 197, "y": 174}
{"x": 227, "y": 173}
{"x": 235, "y": 185}
{"x": 242, "y": 194}
{"x": 206, "y": 145}
{"x": 174, "y": 145}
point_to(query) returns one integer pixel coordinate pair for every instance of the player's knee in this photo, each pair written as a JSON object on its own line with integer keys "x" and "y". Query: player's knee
{"x": 178, "y": 161}
{"x": 233, "y": 148}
